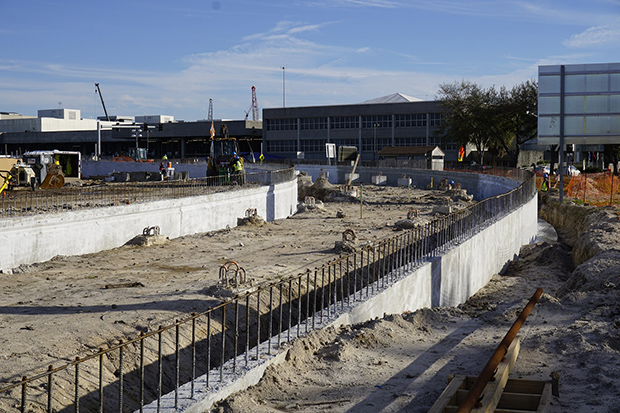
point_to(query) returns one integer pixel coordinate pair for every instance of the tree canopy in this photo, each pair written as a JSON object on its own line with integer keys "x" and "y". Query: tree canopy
{"x": 495, "y": 120}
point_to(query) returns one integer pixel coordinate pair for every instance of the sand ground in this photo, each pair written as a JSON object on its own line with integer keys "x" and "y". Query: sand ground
{"x": 56, "y": 310}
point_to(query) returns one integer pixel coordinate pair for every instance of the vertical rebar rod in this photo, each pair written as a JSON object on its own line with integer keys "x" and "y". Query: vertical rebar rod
{"x": 193, "y": 378}
{"x": 322, "y": 292}
{"x": 177, "y": 364}
{"x": 307, "y": 298}
{"x": 141, "y": 370}
{"x": 316, "y": 288}
{"x": 24, "y": 388}
{"x": 299, "y": 305}
{"x": 341, "y": 284}
{"x": 76, "y": 395}
{"x": 258, "y": 330}
{"x": 348, "y": 280}
{"x": 100, "y": 380}
{"x": 247, "y": 329}
{"x": 120, "y": 376}
{"x": 236, "y": 341}
{"x": 50, "y": 368}
{"x": 281, "y": 314}
{"x": 355, "y": 277}
{"x": 290, "y": 309}
{"x": 223, "y": 343}
{"x": 208, "y": 348}
{"x": 270, "y": 326}
{"x": 329, "y": 289}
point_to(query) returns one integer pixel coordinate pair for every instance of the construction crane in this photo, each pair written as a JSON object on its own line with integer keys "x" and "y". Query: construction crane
{"x": 210, "y": 117}
{"x": 102, "y": 104}
{"x": 253, "y": 107}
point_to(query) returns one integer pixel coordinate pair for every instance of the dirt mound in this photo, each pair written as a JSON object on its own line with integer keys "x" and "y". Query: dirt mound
{"x": 599, "y": 274}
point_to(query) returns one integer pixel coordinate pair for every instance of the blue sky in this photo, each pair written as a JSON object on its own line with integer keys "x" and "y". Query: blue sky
{"x": 170, "y": 57}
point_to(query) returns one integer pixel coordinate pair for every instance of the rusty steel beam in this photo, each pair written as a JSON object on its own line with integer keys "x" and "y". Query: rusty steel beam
{"x": 487, "y": 372}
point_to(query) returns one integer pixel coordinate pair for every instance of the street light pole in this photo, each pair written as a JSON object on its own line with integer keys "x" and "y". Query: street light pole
{"x": 283, "y": 88}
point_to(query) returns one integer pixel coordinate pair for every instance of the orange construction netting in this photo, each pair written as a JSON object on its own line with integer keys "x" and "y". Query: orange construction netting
{"x": 599, "y": 189}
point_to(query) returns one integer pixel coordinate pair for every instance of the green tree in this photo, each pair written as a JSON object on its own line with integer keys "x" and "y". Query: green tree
{"x": 497, "y": 121}
{"x": 468, "y": 112}
{"x": 518, "y": 109}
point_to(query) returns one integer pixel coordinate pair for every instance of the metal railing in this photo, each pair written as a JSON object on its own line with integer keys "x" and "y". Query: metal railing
{"x": 45, "y": 201}
{"x": 127, "y": 375}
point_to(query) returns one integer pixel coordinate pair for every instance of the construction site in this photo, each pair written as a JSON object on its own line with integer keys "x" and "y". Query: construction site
{"x": 306, "y": 289}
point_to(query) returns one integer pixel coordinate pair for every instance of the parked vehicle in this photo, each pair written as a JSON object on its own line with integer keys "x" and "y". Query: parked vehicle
{"x": 540, "y": 170}
{"x": 572, "y": 171}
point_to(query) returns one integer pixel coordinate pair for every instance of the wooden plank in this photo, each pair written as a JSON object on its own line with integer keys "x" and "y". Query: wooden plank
{"x": 445, "y": 399}
{"x": 458, "y": 388}
{"x": 525, "y": 386}
{"x": 545, "y": 396}
{"x": 493, "y": 390}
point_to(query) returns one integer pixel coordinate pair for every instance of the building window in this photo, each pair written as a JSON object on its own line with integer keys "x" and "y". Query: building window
{"x": 411, "y": 120}
{"x": 313, "y": 145}
{"x": 282, "y": 124}
{"x": 434, "y": 119}
{"x": 345, "y": 122}
{"x": 282, "y": 146}
{"x": 411, "y": 141}
{"x": 347, "y": 142}
{"x": 313, "y": 123}
{"x": 369, "y": 144}
{"x": 382, "y": 121}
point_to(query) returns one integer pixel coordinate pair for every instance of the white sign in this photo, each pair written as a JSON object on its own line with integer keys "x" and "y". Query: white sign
{"x": 330, "y": 150}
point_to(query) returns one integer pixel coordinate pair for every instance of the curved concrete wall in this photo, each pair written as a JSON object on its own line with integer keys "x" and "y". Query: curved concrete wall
{"x": 481, "y": 186}
{"x": 38, "y": 238}
{"x": 447, "y": 280}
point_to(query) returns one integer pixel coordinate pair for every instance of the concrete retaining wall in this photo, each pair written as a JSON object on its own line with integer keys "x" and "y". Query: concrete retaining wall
{"x": 447, "y": 280}
{"x": 456, "y": 275}
{"x": 38, "y": 238}
{"x": 481, "y": 186}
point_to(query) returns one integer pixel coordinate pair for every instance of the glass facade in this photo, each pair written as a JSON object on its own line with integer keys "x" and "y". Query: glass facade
{"x": 591, "y": 97}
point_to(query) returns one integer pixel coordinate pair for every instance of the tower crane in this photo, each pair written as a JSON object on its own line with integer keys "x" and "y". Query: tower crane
{"x": 102, "y": 104}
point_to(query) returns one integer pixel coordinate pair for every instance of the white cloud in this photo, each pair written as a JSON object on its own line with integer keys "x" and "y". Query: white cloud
{"x": 598, "y": 35}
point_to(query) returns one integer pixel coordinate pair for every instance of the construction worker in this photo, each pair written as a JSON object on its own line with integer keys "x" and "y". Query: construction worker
{"x": 545, "y": 183}
{"x": 237, "y": 167}
{"x": 236, "y": 164}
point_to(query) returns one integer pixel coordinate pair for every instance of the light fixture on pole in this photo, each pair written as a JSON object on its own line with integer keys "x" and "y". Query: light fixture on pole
{"x": 136, "y": 133}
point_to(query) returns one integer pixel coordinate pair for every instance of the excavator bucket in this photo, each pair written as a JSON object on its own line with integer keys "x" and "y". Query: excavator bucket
{"x": 53, "y": 181}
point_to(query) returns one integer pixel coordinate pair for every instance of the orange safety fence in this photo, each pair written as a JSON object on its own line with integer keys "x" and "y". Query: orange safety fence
{"x": 600, "y": 189}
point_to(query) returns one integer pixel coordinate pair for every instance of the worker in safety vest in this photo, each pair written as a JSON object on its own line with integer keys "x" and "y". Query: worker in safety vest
{"x": 545, "y": 183}
{"x": 237, "y": 167}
